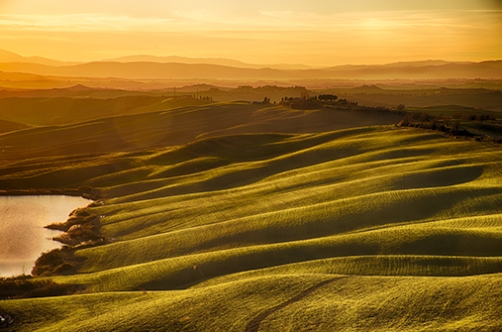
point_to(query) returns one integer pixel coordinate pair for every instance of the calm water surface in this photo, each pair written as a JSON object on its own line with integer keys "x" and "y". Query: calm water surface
{"x": 22, "y": 234}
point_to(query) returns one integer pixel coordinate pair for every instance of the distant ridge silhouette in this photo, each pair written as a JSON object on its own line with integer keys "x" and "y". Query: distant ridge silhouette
{"x": 428, "y": 69}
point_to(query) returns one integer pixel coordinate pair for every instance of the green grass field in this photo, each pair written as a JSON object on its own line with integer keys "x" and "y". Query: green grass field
{"x": 239, "y": 217}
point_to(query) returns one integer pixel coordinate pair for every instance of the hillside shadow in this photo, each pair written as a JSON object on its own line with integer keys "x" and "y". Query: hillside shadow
{"x": 254, "y": 324}
{"x": 439, "y": 177}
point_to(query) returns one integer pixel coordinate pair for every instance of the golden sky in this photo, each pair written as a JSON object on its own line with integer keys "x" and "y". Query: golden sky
{"x": 313, "y": 32}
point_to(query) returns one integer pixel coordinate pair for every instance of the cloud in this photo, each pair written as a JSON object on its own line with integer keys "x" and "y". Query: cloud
{"x": 297, "y": 35}
{"x": 81, "y": 22}
{"x": 265, "y": 20}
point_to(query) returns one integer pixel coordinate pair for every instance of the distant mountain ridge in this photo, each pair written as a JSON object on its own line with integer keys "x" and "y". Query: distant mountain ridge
{"x": 144, "y": 70}
{"x": 207, "y": 61}
{"x": 236, "y": 70}
{"x": 7, "y": 56}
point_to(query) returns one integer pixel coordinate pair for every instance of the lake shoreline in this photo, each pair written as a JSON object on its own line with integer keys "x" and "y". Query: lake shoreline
{"x": 36, "y": 216}
{"x": 81, "y": 229}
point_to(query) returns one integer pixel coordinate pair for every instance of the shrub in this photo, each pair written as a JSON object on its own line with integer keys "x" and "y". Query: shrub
{"x": 55, "y": 262}
{"x": 25, "y": 286}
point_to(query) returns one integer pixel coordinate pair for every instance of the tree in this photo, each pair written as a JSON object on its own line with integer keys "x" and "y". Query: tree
{"x": 327, "y": 97}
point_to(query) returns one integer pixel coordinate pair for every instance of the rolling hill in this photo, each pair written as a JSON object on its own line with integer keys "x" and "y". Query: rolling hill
{"x": 244, "y": 217}
{"x": 487, "y": 99}
{"x": 7, "y": 56}
{"x": 56, "y": 110}
{"x": 169, "y": 126}
{"x": 7, "y": 126}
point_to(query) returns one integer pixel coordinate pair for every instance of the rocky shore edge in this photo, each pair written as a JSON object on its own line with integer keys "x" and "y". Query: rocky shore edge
{"x": 81, "y": 229}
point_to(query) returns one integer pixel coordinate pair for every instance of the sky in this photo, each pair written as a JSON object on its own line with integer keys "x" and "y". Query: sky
{"x": 314, "y": 32}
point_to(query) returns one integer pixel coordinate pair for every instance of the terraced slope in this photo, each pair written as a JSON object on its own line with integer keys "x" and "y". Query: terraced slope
{"x": 373, "y": 228}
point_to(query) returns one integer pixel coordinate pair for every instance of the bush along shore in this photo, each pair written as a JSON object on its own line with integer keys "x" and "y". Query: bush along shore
{"x": 25, "y": 286}
{"x": 81, "y": 229}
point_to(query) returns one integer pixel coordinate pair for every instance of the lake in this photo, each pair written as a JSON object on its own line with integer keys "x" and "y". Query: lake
{"x": 23, "y": 237}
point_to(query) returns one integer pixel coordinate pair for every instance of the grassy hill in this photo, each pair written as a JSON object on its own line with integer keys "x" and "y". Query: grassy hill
{"x": 7, "y": 126}
{"x": 253, "y": 218}
{"x": 169, "y": 126}
{"x": 44, "y": 111}
{"x": 416, "y": 96}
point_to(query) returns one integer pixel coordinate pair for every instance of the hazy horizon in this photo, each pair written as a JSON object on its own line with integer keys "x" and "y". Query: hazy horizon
{"x": 317, "y": 34}
{"x": 35, "y": 58}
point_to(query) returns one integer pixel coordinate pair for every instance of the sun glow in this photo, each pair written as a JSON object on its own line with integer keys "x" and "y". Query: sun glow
{"x": 258, "y": 32}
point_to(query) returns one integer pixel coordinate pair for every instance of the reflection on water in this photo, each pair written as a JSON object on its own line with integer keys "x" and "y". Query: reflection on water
{"x": 22, "y": 235}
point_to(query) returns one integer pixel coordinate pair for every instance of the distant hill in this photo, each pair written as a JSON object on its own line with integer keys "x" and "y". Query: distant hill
{"x": 419, "y": 70}
{"x": 401, "y": 64}
{"x": 172, "y": 67}
{"x": 207, "y": 61}
{"x": 80, "y": 87}
{"x": 367, "y": 89}
{"x": 7, "y": 126}
{"x": 486, "y": 99}
{"x": 6, "y": 56}
{"x": 139, "y": 70}
{"x": 196, "y": 87}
